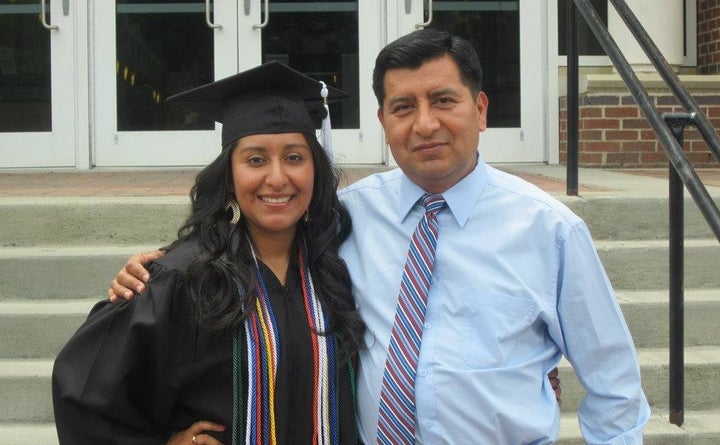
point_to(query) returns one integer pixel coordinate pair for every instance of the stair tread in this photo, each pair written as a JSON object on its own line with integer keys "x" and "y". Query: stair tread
{"x": 694, "y": 355}
{"x": 71, "y": 251}
{"x": 696, "y": 423}
{"x": 28, "y": 433}
{"x": 14, "y": 368}
{"x": 72, "y": 305}
{"x": 605, "y": 244}
{"x": 105, "y": 249}
{"x": 642, "y": 296}
{"x": 47, "y": 306}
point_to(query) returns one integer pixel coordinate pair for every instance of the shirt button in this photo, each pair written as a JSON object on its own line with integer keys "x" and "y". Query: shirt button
{"x": 428, "y": 424}
{"x": 428, "y": 326}
{"x": 423, "y": 373}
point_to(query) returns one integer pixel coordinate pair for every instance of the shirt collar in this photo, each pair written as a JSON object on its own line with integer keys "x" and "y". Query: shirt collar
{"x": 460, "y": 198}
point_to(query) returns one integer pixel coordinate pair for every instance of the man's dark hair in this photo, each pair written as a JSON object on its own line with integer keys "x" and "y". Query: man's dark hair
{"x": 416, "y": 48}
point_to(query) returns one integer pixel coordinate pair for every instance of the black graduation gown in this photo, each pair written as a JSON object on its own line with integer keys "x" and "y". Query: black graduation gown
{"x": 139, "y": 371}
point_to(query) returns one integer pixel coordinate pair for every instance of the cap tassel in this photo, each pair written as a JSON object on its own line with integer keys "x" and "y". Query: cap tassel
{"x": 326, "y": 128}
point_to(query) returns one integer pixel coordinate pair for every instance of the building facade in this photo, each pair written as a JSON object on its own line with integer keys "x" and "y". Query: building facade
{"x": 83, "y": 82}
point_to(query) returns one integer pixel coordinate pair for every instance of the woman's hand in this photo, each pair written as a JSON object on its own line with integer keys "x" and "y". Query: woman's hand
{"x": 195, "y": 435}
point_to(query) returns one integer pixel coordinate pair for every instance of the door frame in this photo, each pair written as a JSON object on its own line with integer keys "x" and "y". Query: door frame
{"x": 529, "y": 142}
{"x": 66, "y": 144}
{"x": 239, "y": 42}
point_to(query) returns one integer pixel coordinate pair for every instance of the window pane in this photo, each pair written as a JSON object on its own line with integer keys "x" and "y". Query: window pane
{"x": 320, "y": 39}
{"x": 493, "y": 27}
{"x": 587, "y": 43}
{"x": 162, "y": 49}
{"x": 24, "y": 68}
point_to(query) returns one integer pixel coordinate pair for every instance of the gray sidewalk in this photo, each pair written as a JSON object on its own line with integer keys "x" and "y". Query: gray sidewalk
{"x": 177, "y": 182}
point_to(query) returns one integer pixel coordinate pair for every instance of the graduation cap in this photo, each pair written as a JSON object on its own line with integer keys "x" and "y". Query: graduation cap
{"x": 269, "y": 99}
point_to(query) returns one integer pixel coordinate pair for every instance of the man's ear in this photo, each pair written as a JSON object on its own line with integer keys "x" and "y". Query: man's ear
{"x": 482, "y": 106}
{"x": 381, "y": 118}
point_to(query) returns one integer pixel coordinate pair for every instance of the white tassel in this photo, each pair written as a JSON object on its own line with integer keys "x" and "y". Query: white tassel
{"x": 326, "y": 128}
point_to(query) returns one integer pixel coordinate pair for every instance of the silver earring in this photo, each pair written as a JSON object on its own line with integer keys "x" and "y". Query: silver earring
{"x": 306, "y": 216}
{"x": 234, "y": 207}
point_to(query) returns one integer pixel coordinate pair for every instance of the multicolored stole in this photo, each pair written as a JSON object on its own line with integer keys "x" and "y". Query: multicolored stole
{"x": 262, "y": 344}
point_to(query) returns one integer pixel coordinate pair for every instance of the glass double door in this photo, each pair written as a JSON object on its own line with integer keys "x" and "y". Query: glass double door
{"x": 158, "y": 49}
{"x": 86, "y": 88}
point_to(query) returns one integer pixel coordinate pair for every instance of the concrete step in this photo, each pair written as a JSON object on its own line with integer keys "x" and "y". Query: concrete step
{"x": 66, "y": 272}
{"x": 702, "y": 374}
{"x": 647, "y": 316}
{"x": 27, "y": 384}
{"x": 700, "y": 428}
{"x": 154, "y": 219}
{"x": 39, "y": 329}
{"x": 17, "y": 433}
{"x": 86, "y": 271}
{"x": 25, "y": 389}
{"x": 57, "y": 256}
{"x": 36, "y": 329}
{"x": 91, "y": 221}
{"x": 632, "y": 264}
{"x": 615, "y": 217}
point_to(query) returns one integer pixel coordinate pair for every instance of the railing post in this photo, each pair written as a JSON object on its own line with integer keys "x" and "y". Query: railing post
{"x": 674, "y": 152}
{"x": 572, "y": 100}
{"x": 677, "y": 123}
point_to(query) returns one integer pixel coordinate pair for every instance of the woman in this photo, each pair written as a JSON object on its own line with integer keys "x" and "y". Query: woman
{"x": 249, "y": 333}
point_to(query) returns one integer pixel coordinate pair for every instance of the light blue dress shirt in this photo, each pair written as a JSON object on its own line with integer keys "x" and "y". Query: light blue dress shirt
{"x": 517, "y": 283}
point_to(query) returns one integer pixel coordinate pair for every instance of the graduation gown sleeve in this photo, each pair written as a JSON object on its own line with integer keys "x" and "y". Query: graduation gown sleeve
{"x": 117, "y": 379}
{"x": 137, "y": 372}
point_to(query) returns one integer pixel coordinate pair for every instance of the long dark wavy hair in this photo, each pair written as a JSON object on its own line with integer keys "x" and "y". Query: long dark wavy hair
{"x": 218, "y": 279}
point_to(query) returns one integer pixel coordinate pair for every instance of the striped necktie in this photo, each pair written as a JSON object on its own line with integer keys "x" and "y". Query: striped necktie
{"x": 396, "y": 418}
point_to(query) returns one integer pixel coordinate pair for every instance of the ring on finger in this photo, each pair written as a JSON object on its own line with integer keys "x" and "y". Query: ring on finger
{"x": 194, "y": 440}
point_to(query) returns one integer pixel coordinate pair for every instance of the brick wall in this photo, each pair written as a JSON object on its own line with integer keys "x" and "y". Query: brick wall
{"x": 614, "y": 133}
{"x": 708, "y": 38}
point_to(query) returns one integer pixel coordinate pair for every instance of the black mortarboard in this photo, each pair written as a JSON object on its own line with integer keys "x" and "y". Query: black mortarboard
{"x": 268, "y": 99}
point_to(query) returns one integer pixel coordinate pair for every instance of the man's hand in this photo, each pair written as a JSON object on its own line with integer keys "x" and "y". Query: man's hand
{"x": 132, "y": 277}
{"x": 555, "y": 383}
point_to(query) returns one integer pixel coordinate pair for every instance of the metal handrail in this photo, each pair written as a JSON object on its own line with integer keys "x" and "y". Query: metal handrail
{"x": 669, "y": 129}
{"x": 674, "y": 151}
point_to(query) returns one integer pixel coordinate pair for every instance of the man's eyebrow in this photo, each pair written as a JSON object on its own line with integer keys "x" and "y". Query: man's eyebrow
{"x": 398, "y": 99}
{"x": 444, "y": 91}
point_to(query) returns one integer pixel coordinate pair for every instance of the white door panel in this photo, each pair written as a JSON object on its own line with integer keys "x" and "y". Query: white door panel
{"x": 38, "y": 85}
{"x": 133, "y": 125}
{"x": 513, "y": 61}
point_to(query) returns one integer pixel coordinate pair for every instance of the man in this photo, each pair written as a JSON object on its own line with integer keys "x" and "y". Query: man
{"x": 516, "y": 281}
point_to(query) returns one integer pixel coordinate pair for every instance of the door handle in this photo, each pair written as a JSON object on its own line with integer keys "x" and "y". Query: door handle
{"x": 267, "y": 16}
{"x": 430, "y": 16}
{"x": 44, "y": 22}
{"x": 207, "y": 17}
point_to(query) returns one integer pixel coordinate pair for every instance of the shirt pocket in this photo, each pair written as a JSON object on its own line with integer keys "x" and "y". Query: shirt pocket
{"x": 494, "y": 327}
